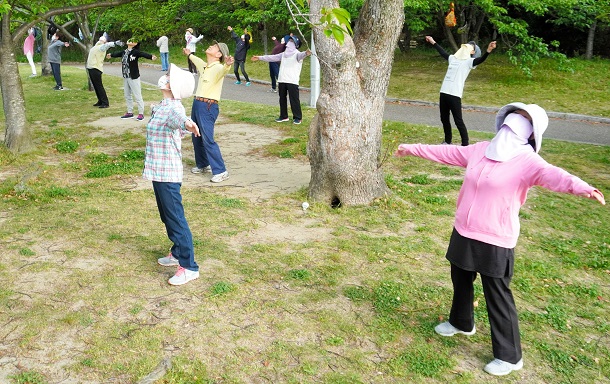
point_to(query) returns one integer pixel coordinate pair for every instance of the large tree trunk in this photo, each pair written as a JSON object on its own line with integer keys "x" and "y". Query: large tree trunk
{"x": 345, "y": 136}
{"x": 590, "y": 41}
{"x": 18, "y": 136}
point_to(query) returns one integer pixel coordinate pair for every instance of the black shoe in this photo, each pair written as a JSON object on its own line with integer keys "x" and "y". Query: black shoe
{"x": 97, "y": 104}
{"x": 103, "y": 106}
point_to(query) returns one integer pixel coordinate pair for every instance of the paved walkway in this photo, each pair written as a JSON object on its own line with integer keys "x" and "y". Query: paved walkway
{"x": 562, "y": 126}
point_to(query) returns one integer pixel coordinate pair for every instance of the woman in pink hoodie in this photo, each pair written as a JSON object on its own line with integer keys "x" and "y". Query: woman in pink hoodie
{"x": 28, "y": 50}
{"x": 498, "y": 176}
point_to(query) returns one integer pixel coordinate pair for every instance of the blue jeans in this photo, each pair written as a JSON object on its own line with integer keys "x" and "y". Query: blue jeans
{"x": 207, "y": 151}
{"x": 165, "y": 61}
{"x": 56, "y": 69}
{"x": 169, "y": 202}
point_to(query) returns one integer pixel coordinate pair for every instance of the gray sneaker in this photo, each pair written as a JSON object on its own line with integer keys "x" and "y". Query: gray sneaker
{"x": 220, "y": 177}
{"x": 446, "y": 329}
{"x": 201, "y": 170}
{"x": 168, "y": 261}
{"x": 500, "y": 367}
{"x": 183, "y": 276}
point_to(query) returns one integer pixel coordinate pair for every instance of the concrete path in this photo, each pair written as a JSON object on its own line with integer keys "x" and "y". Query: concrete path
{"x": 562, "y": 126}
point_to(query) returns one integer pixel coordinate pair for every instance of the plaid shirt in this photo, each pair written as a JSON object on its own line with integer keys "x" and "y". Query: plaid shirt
{"x": 164, "y": 134}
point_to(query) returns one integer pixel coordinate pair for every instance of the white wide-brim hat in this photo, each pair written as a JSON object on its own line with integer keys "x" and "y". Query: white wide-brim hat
{"x": 181, "y": 82}
{"x": 540, "y": 120}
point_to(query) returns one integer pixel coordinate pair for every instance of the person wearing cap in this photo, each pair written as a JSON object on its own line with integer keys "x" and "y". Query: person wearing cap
{"x": 205, "y": 110}
{"x": 288, "y": 79}
{"x": 132, "y": 87}
{"x": 191, "y": 45}
{"x": 242, "y": 44}
{"x": 498, "y": 176}
{"x": 163, "y": 166}
{"x": 95, "y": 68}
{"x": 163, "y": 44}
{"x": 450, "y": 102}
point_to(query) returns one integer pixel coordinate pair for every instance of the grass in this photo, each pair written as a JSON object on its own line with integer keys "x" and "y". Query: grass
{"x": 82, "y": 291}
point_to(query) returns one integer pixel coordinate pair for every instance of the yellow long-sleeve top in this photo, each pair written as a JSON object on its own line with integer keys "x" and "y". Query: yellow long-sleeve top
{"x": 211, "y": 77}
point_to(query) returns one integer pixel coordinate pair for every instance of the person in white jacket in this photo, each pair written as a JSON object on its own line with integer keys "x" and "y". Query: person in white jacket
{"x": 288, "y": 80}
{"x": 191, "y": 45}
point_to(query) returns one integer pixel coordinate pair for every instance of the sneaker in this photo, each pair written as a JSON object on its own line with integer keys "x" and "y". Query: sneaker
{"x": 220, "y": 177}
{"x": 127, "y": 116}
{"x": 33, "y": 75}
{"x": 97, "y": 104}
{"x": 446, "y": 329}
{"x": 183, "y": 276}
{"x": 201, "y": 170}
{"x": 58, "y": 87}
{"x": 168, "y": 261}
{"x": 500, "y": 367}
{"x": 272, "y": 90}
{"x": 238, "y": 82}
{"x": 247, "y": 84}
{"x": 280, "y": 120}
{"x": 140, "y": 117}
{"x": 103, "y": 106}
{"x": 445, "y": 143}
{"x": 296, "y": 121}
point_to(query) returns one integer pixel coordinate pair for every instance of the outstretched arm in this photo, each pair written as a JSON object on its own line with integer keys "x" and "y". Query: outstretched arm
{"x": 440, "y": 50}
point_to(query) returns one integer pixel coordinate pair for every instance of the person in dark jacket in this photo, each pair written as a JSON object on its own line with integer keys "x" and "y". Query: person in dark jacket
{"x": 242, "y": 44}
{"x": 274, "y": 67}
{"x": 131, "y": 76}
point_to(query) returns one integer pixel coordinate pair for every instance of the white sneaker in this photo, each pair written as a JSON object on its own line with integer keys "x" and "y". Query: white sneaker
{"x": 220, "y": 177}
{"x": 446, "y": 329}
{"x": 201, "y": 170}
{"x": 500, "y": 367}
{"x": 183, "y": 276}
{"x": 168, "y": 261}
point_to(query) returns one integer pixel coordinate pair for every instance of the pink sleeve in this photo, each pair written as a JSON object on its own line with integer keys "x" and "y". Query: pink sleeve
{"x": 444, "y": 154}
{"x": 559, "y": 180}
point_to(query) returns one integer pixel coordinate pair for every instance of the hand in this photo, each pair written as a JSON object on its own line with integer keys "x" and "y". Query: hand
{"x": 200, "y": 37}
{"x": 192, "y": 127}
{"x": 229, "y": 28}
{"x": 119, "y": 43}
{"x": 273, "y": 38}
{"x": 491, "y": 46}
{"x": 402, "y": 150}
{"x": 597, "y": 195}
{"x": 229, "y": 60}
{"x": 154, "y": 57}
{"x": 254, "y": 58}
{"x": 66, "y": 44}
{"x": 430, "y": 40}
{"x": 108, "y": 56}
{"x": 308, "y": 52}
{"x": 186, "y": 51}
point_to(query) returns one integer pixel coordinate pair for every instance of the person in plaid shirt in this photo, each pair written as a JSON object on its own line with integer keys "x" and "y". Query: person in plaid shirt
{"x": 163, "y": 166}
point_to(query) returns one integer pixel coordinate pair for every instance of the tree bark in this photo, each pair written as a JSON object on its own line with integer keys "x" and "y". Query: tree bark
{"x": 590, "y": 41}
{"x": 18, "y": 135}
{"x": 344, "y": 145}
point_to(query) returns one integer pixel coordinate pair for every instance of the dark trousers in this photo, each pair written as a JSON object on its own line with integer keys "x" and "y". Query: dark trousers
{"x": 96, "y": 79}
{"x": 501, "y": 310}
{"x": 274, "y": 72}
{"x": 56, "y": 69}
{"x": 240, "y": 65}
{"x": 169, "y": 203}
{"x": 292, "y": 91}
{"x": 207, "y": 151}
{"x": 452, "y": 104}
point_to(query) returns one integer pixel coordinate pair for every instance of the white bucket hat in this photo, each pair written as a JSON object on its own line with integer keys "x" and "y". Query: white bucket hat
{"x": 181, "y": 82}
{"x": 540, "y": 120}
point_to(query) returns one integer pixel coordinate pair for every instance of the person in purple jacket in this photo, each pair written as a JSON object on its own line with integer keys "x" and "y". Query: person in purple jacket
{"x": 498, "y": 176}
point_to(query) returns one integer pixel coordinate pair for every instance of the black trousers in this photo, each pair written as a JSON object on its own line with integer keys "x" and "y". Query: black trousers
{"x": 501, "y": 310}
{"x": 240, "y": 65}
{"x": 452, "y": 104}
{"x": 96, "y": 79}
{"x": 56, "y": 69}
{"x": 292, "y": 91}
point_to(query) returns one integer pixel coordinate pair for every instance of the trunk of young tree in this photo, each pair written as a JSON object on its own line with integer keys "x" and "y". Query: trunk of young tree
{"x": 590, "y": 41}
{"x": 18, "y": 135}
{"x": 44, "y": 59}
{"x": 345, "y": 136}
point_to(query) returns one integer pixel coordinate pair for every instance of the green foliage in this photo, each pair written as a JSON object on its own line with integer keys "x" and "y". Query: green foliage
{"x": 221, "y": 288}
{"x": 67, "y": 146}
{"x": 103, "y": 165}
{"x": 28, "y": 377}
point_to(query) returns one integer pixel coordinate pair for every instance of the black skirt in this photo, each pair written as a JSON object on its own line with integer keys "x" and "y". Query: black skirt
{"x": 477, "y": 256}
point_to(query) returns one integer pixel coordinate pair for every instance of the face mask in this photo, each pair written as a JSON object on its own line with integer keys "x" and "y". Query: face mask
{"x": 519, "y": 124}
{"x": 163, "y": 81}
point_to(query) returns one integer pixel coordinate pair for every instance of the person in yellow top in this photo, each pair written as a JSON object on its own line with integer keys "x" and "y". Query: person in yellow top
{"x": 205, "y": 108}
{"x": 95, "y": 68}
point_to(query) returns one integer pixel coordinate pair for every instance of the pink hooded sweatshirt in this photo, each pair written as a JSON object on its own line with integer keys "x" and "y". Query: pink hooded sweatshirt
{"x": 493, "y": 192}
